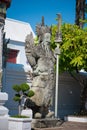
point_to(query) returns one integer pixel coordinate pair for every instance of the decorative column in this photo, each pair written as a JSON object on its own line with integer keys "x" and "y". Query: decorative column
{"x": 57, "y": 53}
{"x": 4, "y": 4}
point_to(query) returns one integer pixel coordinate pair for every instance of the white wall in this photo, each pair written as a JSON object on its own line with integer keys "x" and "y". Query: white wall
{"x": 17, "y": 30}
{"x": 21, "y": 58}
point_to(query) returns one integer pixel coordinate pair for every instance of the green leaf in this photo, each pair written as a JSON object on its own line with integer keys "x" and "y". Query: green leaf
{"x": 24, "y": 87}
{"x": 77, "y": 61}
{"x": 17, "y": 88}
{"x": 31, "y": 93}
{"x": 16, "y": 98}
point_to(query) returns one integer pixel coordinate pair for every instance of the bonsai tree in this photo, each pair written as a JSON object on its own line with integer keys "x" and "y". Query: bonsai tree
{"x": 22, "y": 91}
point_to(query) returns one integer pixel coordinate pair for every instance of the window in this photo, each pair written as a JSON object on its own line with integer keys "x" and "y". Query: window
{"x": 12, "y": 56}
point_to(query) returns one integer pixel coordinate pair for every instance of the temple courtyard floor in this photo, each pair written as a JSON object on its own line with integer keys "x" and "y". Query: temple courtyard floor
{"x": 67, "y": 126}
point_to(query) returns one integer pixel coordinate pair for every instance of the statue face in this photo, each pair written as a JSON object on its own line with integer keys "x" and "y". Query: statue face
{"x": 47, "y": 37}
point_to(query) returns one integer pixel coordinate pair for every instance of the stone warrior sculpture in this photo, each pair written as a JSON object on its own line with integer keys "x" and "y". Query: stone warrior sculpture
{"x": 42, "y": 61}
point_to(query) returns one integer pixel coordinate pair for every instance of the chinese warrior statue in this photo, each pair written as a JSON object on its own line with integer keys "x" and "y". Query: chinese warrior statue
{"x": 41, "y": 59}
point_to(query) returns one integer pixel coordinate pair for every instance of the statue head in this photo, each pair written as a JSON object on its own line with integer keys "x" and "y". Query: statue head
{"x": 47, "y": 37}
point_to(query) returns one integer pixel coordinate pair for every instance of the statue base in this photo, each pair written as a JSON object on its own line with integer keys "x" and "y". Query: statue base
{"x": 46, "y": 123}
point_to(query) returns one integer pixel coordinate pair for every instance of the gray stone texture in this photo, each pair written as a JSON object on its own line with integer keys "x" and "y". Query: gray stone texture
{"x": 41, "y": 59}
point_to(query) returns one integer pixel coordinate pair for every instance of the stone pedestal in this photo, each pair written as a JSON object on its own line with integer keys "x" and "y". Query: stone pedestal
{"x": 46, "y": 123}
{"x": 3, "y": 112}
{"x": 19, "y": 123}
{"x": 27, "y": 112}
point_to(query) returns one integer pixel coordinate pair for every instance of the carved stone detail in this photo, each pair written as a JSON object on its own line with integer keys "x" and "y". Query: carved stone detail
{"x": 41, "y": 59}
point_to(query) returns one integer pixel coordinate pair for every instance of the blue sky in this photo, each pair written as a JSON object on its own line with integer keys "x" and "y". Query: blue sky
{"x": 31, "y": 11}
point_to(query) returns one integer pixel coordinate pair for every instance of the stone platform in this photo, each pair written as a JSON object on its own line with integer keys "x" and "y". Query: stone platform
{"x": 46, "y": 123}
{"x": 67, "y": 126}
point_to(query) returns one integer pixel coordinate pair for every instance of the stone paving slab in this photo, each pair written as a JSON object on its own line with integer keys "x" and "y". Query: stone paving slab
{"x": 67, "y": 126}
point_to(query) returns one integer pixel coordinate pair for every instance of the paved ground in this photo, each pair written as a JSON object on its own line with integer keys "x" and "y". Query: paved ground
{"x": 68, "y": 126}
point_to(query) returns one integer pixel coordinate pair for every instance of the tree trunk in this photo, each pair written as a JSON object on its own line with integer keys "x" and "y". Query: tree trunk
{"x": 19, "y": 108}
{"x": 80, "y": 12}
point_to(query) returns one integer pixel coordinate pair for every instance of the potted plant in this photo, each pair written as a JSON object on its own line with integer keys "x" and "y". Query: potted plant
{"x": 20, "y": 121}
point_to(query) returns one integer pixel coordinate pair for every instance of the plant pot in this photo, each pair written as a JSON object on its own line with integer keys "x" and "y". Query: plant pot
{"x": 19, "y": 123}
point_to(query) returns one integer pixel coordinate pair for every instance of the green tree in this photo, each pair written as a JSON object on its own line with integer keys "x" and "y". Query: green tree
{"x": 22, "y": 91}
{"x": 73, "y": 49}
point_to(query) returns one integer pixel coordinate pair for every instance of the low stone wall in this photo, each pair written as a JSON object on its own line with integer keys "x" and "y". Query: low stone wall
{"x": 76, "y": 119}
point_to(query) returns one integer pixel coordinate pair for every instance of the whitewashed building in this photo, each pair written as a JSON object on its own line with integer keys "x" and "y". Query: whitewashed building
{"x": 17, "y": 67}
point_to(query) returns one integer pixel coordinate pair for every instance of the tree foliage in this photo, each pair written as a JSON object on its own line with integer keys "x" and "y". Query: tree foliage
{"x": 22, "y": 90}
{"x": 73, "y": 47}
